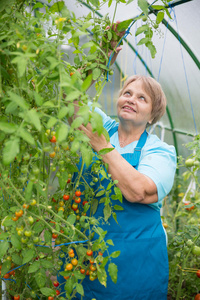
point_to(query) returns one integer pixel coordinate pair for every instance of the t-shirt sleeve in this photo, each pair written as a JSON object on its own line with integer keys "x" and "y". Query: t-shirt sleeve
{"x": 159, "y": 164}
{"x": 108, "y": 123}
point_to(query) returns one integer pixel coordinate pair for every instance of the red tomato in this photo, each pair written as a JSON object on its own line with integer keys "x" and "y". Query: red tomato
{"x": 50, "y": 298}
{"x": 197, "y": 297}
{"x": 54, "y": 235}
{"x": 6, "y": 276}
{"x": 82, "y": 271}
{"x": 89, "y": 252}
{"x": 189, "y": 208}
{"x": 198, "y": 273}
{"x": 74, "y": 206}
{"x": 57, "y": 292}
{"x": 66, "y": 197}
{"x": 53, "y": 139}
{"x": 84, "y": 202}
{"x": 56, "y": 283}
{"x": 78, "y": 193}
{"x": 78, "y": 200}
{"x": 16, "y": 297}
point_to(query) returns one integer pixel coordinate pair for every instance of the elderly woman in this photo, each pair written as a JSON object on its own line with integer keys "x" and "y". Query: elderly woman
{"x": 144, "y": 167}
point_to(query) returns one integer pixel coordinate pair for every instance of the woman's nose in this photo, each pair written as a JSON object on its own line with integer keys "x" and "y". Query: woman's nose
{"x": 131, "y": 100}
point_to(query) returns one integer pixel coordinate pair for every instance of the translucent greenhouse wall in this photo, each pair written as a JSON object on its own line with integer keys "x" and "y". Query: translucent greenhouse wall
{"x": 176, "y": 66}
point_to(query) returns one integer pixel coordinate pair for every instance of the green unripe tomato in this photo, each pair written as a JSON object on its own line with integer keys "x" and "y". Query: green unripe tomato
{"x": 28, "y": 233}
{"x": 189, "y": 162}
{"x": 196, "y": 250}
{"x": 36, "y": 171}
{"x": 189, "y": 243}
{"x": 30, "y": 219}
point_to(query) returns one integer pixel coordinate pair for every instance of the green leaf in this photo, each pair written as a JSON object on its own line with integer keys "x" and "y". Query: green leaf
{"x": 105, "y": 151}
{"x": 102, "y": 276}
{"x": 112, "y": 270}
{"x": 152, "y": 49}
{"x": 28, "y": 190}
{"x": 34, "y": 267}
{"x": 115, "y": 254}
{"x": 96, "y": 73}
{"x": 28, "y": 256}
{"x": 75, "y": 146}
{"x": 160, "y": 17}
{"x": 47, "y": 264}
{"x": 21, "y": 66}
{"x": 62, "y": 132}
{"x": 47, "y": 237}
{"x": 97, "y": 123}
{"x": 16, "y": 259}
{"x": 107, "y": 212}
{"x": 10, "y": 150}
{"x": 5, "y": 3}
{"x": 73, "y": 96}
{"x": 100, "y": 193}
{"x": 110, "y": 3}
{"x": 157, "y": 7}
{"x": 57, "y": 7}
{"x": 77, "y": 122}
{"x": 47, "y": 291}
{"x": 38, "y": 5}
{"x": 15, "y": 242}
{"x": 110, "y": 242}
{"x": 18, "y": 100}
{"x": 143, "y": 4}
{"x": 25, "y": 135}
{"x": 40, "y": 278}
{"x": 94, "y": 206}
{"x": 33, "y": 118}
{"x": 141, "y": 29}
{"x": 3, "y": 248}
{"x": 5, "y": 267}
{"x": 87, "y": 154}
{"x": 109, "y": 34}
{"x": 87, "y": 45}
{"x": 38, "y": 227}
{"x": 86, "y": 83}
{"x": 124, "y": 25}
{"x": 48, "y": 104}
{"x": 63, "y": 179}
{"x": 143, "y": 41}
{"x": 79, "y": 289}
{"x": 63, "y": 112}
{"x": 8, "y": 127}
{"x": 51, "y": 122}
{"x": 11, "y": 107}
{"x": 71, "y": 219}
{"x": 118, "y": 207}
{"x": 38, "y": 99}
{"x": 69, "y": 285}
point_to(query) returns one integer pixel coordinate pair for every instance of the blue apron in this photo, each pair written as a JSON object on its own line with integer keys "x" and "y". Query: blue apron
{"x": 143, "y": 260}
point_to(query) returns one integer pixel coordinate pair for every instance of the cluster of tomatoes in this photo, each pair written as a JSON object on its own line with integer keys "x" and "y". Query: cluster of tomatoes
{"x": 87, "y": 266}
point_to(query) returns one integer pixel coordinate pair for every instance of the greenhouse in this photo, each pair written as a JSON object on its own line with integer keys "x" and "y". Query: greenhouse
{"x": 99, "y": 149}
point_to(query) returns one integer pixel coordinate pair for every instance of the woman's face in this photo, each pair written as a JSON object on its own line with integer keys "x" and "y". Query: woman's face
{"x": 135, "y": 105}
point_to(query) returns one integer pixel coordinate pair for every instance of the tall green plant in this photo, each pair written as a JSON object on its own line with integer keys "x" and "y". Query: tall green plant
{"x": 44, "y": 215}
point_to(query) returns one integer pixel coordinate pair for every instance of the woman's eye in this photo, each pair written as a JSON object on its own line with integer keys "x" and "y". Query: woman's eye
{"x": 142, "y": 98}
{"x": 127, "y": 93}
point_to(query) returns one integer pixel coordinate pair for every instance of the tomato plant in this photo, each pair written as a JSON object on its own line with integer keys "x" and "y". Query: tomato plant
{"x": 181, "y": 213}
{"x": 42, "y": 156}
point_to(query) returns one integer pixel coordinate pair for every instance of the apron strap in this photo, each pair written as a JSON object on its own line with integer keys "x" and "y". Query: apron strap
{"x": 132, "y": 158}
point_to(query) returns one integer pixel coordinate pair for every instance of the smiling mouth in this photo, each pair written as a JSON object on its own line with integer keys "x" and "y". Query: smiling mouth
{"x": 128, "y": 108}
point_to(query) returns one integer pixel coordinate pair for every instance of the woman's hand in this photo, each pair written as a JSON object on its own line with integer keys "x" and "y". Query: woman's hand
{"x": 98, "y": 142}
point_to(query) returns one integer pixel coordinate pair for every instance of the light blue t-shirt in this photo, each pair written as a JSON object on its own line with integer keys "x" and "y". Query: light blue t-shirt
{"x": 157, "y": 160}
